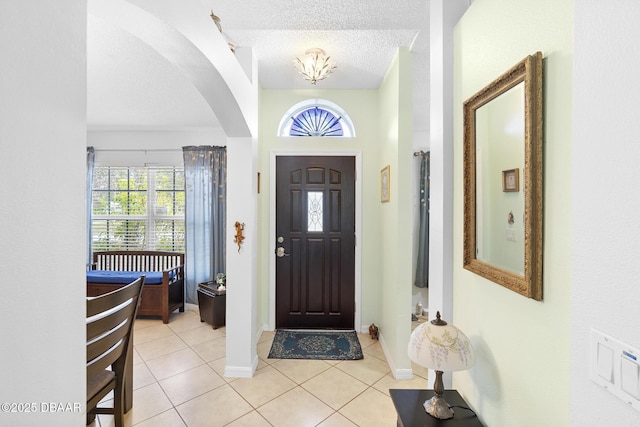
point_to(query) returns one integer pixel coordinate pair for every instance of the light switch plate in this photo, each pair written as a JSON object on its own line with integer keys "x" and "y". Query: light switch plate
{"x": 510, "y": 234}
{"x": 604, "y": 363}
{"x": 630, "y": 378}
{"x": 615, "y": 366}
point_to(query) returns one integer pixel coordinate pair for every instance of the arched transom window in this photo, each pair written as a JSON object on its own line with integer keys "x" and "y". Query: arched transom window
{"x": 316, "y": 117}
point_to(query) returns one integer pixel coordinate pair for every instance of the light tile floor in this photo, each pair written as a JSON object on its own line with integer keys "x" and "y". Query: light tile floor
{"x": 178, "y": 381}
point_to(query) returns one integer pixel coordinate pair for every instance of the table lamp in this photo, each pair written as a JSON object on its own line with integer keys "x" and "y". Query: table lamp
{"x": 442, "y": 347}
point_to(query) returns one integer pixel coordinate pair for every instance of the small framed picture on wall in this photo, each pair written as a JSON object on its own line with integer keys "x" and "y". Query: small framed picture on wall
{"x": 511, "y": 180}
{"x": 384, "y": 184}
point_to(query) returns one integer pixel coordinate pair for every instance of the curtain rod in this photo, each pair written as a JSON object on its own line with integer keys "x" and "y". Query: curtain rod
{"x": 419, "y": 153}
{"x": 138, "y": 149}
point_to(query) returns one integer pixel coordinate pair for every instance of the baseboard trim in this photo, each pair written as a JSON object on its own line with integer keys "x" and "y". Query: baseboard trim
{"x": 241, "y": 371}
{"x": 399, "y": 374}
{"x": 403, "y": 374}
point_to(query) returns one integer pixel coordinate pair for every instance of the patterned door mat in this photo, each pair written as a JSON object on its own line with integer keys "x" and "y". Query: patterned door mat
{"x": 315, "y": 344}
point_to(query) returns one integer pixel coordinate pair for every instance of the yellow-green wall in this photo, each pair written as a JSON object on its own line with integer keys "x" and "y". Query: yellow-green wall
{"x": 521, "y": 377}
{"x": 500, "y": 149}
{"x": 382, "y": 120}
{"x": 396, "y": 215}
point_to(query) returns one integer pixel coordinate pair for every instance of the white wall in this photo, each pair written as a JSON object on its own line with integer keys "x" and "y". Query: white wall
{"x": 43, "y": 170}
{"x": 521, "y": 377}
{"x": 606, "y": 206}
{"x": 163, "y": 147}
{"x": 443, "y": 16}
{"x": 146, "y": 148}
{"x": 242, "y": 295}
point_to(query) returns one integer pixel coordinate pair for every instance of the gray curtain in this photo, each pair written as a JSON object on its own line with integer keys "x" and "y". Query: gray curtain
{"x": 91, "y": 161}
{"x": 205, "y": 173}
{"x": 422, "y": 264}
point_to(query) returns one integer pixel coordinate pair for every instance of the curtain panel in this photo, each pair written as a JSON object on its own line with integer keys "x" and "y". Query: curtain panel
{"x": 205, "y": 172}
{"x": 91, "y": 162}
{"x": 422, "y": 262}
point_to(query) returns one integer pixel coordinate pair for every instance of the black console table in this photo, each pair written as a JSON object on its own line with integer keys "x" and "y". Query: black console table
{"x": 212, "y": 304}
{"x": 411, "y": 413}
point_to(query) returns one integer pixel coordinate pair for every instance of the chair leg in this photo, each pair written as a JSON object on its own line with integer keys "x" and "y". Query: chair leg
{"x": 118, "y": 402}
{"x": 118, "y": 407}
{"x": 90, "y": 418}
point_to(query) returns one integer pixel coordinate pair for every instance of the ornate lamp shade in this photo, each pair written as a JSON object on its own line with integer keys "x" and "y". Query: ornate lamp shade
{"x": 314, "y": 65}
{"x": 441, "y": 347}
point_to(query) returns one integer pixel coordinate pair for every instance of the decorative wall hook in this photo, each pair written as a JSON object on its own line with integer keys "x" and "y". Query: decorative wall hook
{"x": 239, "y": 238}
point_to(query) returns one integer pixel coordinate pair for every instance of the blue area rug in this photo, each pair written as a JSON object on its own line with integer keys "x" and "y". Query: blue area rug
{"x": 315, "y": 344}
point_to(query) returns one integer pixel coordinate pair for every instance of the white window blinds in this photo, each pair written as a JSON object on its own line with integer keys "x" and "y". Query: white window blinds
{"x": 138, "y": 208}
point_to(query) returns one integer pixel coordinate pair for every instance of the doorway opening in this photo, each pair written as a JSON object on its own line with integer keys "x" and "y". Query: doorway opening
{"x": 323, "y": 203}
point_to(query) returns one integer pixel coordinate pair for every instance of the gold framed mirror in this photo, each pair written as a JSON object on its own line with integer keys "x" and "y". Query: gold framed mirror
{"x": 503, "y": 208}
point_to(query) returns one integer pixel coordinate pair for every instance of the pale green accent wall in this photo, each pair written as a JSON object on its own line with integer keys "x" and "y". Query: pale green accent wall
{"x": 362, "y": 107}
{"x": 521, "y": 377}
{"x": 396, "y": 216}
{"x": 383, "y": 123}
{"x": 500, "y": 147}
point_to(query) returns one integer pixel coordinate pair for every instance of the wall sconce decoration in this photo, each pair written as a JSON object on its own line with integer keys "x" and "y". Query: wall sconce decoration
{"x": 239, "y": 238}
{"x": 314, "y": 65}
{"x": 216, "y": 20}
{"x": 442, "y": 347}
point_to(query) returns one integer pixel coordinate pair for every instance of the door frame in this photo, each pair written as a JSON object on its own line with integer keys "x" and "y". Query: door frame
{"x": 357, "y": 154}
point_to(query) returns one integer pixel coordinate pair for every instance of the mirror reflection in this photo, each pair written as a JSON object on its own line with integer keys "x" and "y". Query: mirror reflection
{"x": 499, "y": 207}
{"x": 503, "y": 179}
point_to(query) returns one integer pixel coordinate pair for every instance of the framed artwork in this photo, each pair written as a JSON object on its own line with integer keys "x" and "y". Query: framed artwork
{"x": 384, "y": 184}
{"x": 511, "y": 180}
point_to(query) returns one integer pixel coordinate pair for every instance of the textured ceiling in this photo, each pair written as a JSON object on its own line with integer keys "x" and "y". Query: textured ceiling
{"x": 361, "y": 36}
{"x": 130, "y": 85}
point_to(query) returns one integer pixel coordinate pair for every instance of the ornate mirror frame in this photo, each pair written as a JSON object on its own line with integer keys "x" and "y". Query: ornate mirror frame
{"x": 529, "y": 71}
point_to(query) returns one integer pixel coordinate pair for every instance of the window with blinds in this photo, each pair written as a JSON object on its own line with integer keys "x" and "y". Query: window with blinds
{"x": 138, "y": 208}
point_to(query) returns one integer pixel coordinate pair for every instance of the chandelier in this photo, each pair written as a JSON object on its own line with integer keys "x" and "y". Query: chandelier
{"x": 314, "y": 65}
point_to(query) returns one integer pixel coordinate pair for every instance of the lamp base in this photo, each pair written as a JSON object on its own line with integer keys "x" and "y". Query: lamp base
{"x": 438, "y": 407}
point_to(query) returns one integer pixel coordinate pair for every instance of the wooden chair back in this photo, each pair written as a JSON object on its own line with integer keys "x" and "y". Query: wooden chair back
{"x": 110, "y": 319}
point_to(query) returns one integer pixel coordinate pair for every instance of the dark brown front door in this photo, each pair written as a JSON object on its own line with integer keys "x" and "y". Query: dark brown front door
{"x": 315, "y": 242}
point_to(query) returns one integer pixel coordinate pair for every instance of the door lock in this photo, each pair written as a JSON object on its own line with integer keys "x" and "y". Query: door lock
{"x": 280, "y": 252}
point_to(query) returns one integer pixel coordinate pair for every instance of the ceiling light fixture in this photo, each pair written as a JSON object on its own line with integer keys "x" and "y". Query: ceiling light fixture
{"x": 314, "y": 65}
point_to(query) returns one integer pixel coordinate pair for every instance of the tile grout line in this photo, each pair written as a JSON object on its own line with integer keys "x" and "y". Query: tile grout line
{"x": 157, "y": 381}
{"x": 266, "y": 364}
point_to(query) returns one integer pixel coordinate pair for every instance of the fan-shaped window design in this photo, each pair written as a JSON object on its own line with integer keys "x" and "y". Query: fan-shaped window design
{"x": 316, "y": 117}
{"x": 316, "y": 122}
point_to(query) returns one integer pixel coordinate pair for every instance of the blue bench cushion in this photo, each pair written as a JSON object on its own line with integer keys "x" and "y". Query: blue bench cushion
{"x": 123, "y": 277}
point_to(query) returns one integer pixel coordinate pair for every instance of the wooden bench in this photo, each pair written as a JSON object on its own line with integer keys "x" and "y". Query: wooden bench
{"x": 159, "y": 299}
